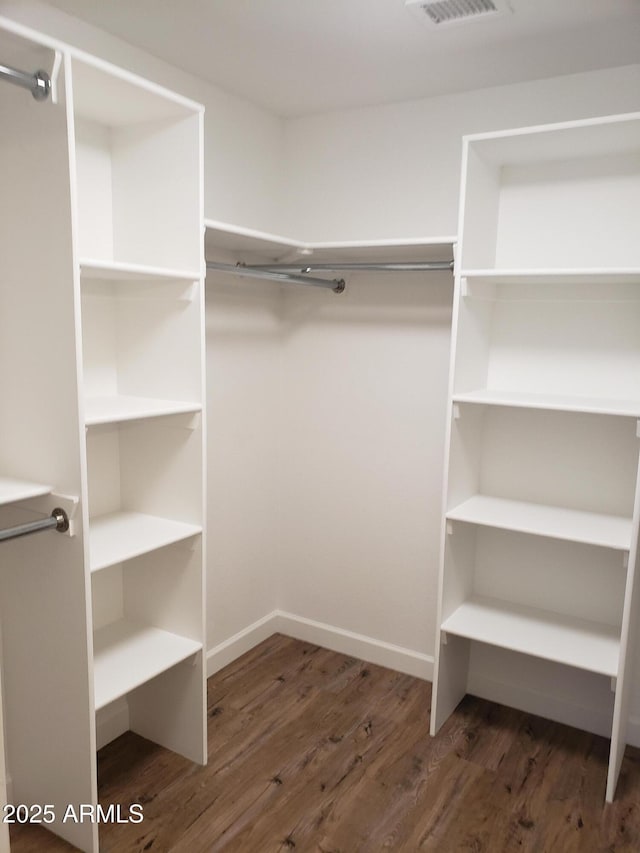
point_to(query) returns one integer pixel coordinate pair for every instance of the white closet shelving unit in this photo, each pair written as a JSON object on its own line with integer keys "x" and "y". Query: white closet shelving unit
{"x": 138, "y": 173}
{"x": 542, "y": 502}
{"x": 102, "y": 347}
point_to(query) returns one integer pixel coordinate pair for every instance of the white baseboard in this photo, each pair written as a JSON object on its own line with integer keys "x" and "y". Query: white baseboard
{"x": 357, "y": 645}
{"x": 227, "y": 651}
{"x": 321, "y": 634}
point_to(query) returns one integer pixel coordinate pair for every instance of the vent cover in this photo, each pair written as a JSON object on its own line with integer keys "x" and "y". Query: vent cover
{"x": 439, "y": 12}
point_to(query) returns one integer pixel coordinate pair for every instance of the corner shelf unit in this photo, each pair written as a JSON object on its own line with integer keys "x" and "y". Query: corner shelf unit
{"x": 250, "y": 246}
{"x": 542, "y": 500}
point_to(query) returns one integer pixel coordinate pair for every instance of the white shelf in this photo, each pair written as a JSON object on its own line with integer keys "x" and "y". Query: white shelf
{"x": 106, "y": 410}
{"x": 589, "y": 528}
{"x": 248, "y": 243}
{"x": 625, "y": 275}
{"x": 575, "y": 642}
{"x": 121, "y": 536}
{"x": 116, "y": 97}
{"x": 127, "y": 655}
{"x": 554, "y": 402}
{"x": 19, "y": 490}
{"x": 412, "y": 249}
{"x": 92, "y": 268}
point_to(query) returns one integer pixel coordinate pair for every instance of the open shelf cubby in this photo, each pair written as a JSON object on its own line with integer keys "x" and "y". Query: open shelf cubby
{"x": 552, "y": 340}
{"x": 553, "y": 197}
{"x": 141, "y": 346}
{"x": 143, "y": 488}
{"x": 137, "y": 170}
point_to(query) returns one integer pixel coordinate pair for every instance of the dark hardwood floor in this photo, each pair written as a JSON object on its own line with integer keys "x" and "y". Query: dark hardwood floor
{"x": 310, "y": 750}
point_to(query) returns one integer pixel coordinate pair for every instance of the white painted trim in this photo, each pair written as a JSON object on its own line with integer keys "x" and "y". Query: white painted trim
{"x": 356, "y": 645}
{"x": 229, "y": 650}
{"x": 549, "y": 706}
{"x": 329, "y": 636}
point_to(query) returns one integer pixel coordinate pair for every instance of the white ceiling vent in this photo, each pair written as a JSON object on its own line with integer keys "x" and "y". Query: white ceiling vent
{"x": 440, "y": 12}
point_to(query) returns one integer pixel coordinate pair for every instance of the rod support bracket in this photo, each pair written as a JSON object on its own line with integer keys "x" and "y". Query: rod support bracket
{"x": 41, "y": 86}
{"x": 62, "y": 519}
{"x": 340, "y": 286}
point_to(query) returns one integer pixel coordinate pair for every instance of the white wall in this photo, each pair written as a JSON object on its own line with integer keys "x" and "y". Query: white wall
{"x": 365, "y": 384}
{"x": 393, "y": 171}
{"x": 244, "y": 405}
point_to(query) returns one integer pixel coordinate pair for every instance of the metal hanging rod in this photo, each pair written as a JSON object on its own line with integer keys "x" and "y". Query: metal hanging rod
{"x": 58, "y": 520}
{"x": 39, "y": 84}
{"x": 393, "y": 266}
{"x": 337, "y": 285}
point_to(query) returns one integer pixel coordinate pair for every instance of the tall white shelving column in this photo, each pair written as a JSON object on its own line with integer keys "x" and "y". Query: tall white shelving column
{"x": 139, "y": 254}
{"x": 538, "y": 585}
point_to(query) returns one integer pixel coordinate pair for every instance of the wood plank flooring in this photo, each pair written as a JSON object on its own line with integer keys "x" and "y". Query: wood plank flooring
{"x": 310, "y": 750}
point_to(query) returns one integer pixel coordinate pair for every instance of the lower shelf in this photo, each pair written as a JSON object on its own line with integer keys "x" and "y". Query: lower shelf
{"x": 127, "y": 655}
{"x": 121, "y": 536}
{"x": 552, "y": 636}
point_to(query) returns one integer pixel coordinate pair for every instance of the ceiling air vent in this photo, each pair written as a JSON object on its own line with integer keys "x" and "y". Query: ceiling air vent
{"x": 440, "y": 12}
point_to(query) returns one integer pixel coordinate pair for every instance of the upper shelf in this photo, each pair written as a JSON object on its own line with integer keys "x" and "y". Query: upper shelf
{"x": 617, "y": 275}
{"x": 249, "y": 245}
{"x": 115, "y": 97}
{"x": 19, "y": 490}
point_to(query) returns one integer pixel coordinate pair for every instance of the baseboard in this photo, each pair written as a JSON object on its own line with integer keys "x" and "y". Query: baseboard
{"x": 321, "y": 634}
{"x": 356, "y": 645}
{"x": 226, "y": 652}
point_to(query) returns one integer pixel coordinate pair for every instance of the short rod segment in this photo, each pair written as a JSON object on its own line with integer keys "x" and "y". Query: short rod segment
{"x": 393, "y": 266}
{"x": 39, "y": 84}
{"x": 58, "y": 520}
{"x": 337, "y": 285}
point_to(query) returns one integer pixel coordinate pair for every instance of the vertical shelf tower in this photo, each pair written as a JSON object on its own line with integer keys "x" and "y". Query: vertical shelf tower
{"x": 102, "y": 345}
{"x": 538, "y": 585}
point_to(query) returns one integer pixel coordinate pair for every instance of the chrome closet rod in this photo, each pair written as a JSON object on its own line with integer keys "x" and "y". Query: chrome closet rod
{"x": 393, "y": 266}
{"x": 337, "y": 285}
{"x": 58, "y": 520}
{"x": 39, "y": 84}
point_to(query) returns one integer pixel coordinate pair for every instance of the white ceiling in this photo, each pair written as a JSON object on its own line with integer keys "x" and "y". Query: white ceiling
{"x": 297, "y": 57}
